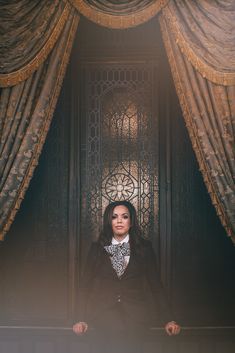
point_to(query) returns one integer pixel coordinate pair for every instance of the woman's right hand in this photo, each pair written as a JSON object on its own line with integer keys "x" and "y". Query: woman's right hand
{"x": 80, "y": 327}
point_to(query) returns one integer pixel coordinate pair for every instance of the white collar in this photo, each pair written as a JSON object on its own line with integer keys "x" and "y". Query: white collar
{"x": 125, "y": 240}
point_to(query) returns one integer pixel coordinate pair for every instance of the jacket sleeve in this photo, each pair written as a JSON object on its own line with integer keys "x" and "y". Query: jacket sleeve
{"x": 162, "y": 307}
{"x": 86, "y": 282}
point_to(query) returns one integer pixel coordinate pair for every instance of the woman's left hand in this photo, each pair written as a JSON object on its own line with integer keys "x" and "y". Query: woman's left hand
{"x": 172, "y": 328}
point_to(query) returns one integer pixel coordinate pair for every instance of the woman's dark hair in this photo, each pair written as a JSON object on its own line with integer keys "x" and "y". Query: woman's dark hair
{"x": 106, "y": 234}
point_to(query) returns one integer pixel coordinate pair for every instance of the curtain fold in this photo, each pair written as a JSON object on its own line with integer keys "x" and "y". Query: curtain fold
{"x": 29, "y": 31}
{"x": 205, "y": 32}
{"x": 209, "y": 113}
{"x": 26, "y": 110}
{"x": 119, "y": 14}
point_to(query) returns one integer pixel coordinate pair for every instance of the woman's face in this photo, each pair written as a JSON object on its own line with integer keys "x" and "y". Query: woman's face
{"x": 121, "y": 222}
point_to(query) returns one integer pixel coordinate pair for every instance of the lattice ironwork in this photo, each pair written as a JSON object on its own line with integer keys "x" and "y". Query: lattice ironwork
{"x": 119, "y": 187}
{"x": 120, "y": 146}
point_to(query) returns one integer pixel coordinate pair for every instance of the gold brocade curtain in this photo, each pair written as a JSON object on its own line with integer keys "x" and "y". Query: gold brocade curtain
{"x": 32, "y": 68}
{"x": 199, "y": 37}
{"x": 205, "y": 34}
{"x": 119, "y": 13}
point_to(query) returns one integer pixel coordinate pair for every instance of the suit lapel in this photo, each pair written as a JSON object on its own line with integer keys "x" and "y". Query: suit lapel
{"x": 132, "y": 266}
{"x": 108, "y": 265}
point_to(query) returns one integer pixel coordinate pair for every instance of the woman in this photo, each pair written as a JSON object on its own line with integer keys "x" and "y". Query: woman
{"x": 120, "y": 294}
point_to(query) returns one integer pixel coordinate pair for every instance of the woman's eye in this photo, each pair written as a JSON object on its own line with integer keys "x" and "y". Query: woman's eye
{"x": 113, "y": 217}
{"x": 126, "y": 217}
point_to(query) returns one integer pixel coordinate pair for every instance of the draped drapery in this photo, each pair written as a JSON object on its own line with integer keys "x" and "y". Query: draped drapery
{"x": 205, "y": 34}
{"x": 35, "y": 74}
{"x": 29, "y": 30}
{"x": 199, "y": 37}
{"x": 119, "y": 13}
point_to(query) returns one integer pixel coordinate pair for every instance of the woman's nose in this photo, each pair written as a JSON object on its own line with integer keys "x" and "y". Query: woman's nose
{"x": 119, "y": 220}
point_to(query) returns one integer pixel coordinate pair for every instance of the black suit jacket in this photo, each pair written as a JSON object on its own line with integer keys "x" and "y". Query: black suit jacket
{"x": 138, "y": 292}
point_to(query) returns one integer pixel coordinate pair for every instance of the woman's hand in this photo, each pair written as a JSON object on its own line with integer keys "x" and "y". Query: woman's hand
{"x": 80, "y": 327}
{"x": 172, "y": 328}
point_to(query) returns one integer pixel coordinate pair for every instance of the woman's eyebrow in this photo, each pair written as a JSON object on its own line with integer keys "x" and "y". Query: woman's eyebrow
{"x": 122, "y": 214}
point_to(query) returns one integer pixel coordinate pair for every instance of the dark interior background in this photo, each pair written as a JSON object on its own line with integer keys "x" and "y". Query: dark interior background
{"x": 41, "y": 255}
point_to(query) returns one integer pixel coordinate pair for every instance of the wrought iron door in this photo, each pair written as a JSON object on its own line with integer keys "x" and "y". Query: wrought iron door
{"x": 119, "y": 143}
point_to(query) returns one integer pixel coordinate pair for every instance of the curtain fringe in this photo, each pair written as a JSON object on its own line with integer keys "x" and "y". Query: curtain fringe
{"x": 45, "y": 128}
{"x": 193, "y": 136}
{"x": 115, "y": 21}
{"x": 218, "y": 77}
{"x": 22, "y": 74}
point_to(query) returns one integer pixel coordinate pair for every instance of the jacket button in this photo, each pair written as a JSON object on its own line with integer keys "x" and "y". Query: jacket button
{"x": 119, "y": 298}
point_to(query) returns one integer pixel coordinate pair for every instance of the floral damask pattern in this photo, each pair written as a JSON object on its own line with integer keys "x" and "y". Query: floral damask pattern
{"x": 26, "y": 110}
